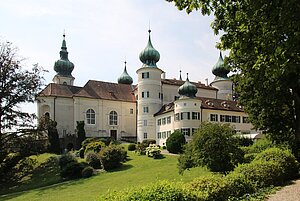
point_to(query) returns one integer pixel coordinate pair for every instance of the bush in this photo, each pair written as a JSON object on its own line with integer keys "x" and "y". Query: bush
{"x": 164, "y": 147}
{"x": 131, "y": 147}
{"x": 81, "y": 153}
{"x": 163, "y": 190}
{"x": 248, "y": 158}
{"x": 284, "y": 158}
{"x": 87, "y": 172}
{"x": 112, "y": 157}
{"x": 175, "y": 142}
{"x": 238, "y": 185}
{"x": 244, "y": 141}
{"x": 93, "y": 159}
{"x": 148, "y": 142}
{"x": 72, "y": 170}
{"x": 153, "y": 151}
{"x": 65, "y": 159}
{"x": 94, "y": 146}
{"x": 258, "y": 146}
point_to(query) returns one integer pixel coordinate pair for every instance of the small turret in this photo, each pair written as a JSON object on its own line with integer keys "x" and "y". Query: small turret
{"x": 219, "y": 69}
{"x": 125, "y": 77}
{"x": 149, "y": 56}
{"x": 187, "y": 89}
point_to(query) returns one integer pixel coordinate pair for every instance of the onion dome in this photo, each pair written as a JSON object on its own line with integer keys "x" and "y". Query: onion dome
{"x": 219, "y": 69}
{"x": 125, "y": 77}
{"x": 149, "y": 56}
{"x": 187, "y": 89}
{"x": 63, "y": 66}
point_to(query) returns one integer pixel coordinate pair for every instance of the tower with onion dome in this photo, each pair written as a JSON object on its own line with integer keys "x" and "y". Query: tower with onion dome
{"x": 63, "y": 67}
{"x": 221, "y": 81}
{"x": 125, "y": 77}
{"x": 149, "y": 98}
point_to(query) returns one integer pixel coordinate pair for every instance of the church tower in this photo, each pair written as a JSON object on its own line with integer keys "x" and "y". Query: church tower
{"x": 221, "y": 81}
{"x": 149, "y": 92}
{"x": 63, "y": 67}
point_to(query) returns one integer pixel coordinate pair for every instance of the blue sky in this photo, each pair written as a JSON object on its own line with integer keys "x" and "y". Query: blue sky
{"x": 101, "y": 34}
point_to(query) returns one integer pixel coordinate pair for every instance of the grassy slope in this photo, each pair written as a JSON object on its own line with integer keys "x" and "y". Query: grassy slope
{"x": 138, "y": 171}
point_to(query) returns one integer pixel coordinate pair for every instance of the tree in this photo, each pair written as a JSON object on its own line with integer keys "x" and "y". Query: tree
{"x": 264, "y": 43}
{"x": 175, "y": 142}
{"x": 16, "y": 86}
{"x": 80, "y": 132}
{"x": 214, "y": 146}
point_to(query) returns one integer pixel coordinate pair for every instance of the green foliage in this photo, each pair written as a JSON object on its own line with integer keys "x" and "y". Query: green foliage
{"x": 131, "y": 147}
{"x": 94, "y": 146}
{"x": 93, "y": 159}
{"x": 81, "y": 136}
{"x": 259, "y": 146}
{"x": 87, "y": 172}
{"x": 160, "y": 191}
{"x": 81, "y": 152}
{"x": 214, "y": 146}
{"x": 112, "y": 156}
{"x": 147, "y": 142}
{"x": 73, "y": 170}
{"x": 249, "y": 157}
{"x": 284, "y": 158}
{"x": 244, "y": 141}
{"x": 263, "y": 39}
{"x": 175, "y": 142}
{"x": 153, "y": 151}
{"x": 66, "y": 159}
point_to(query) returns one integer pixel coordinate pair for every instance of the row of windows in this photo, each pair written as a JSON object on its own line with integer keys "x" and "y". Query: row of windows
{"x": 163, "y": 135}
{"x": 187, "y": 116}
{"x": 113, "y": 117}
{"x": 228, "y": 118}
{"x": 188, "y": 131}
{"x": 164, "y": 121}
{"x": 146, "y": 94}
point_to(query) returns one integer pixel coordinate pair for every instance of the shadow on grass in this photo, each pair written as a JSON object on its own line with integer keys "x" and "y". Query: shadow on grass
{"x": 122, "y": 168}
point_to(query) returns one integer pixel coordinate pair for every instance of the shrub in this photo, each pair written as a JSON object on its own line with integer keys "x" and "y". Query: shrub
{"x": 164, "y": 147}
{"x": 244, "y": 141}
{"x": 249, "y": 157}
{"x": 141, "y": 148}
{"x": 112, "y": 157}
{"x": 163, "y": 190}
{"x": 153, "y": 151}
{"x": 94, "y": 146}
{"x": 262, "y": 173}
{"x": 258, "y": 146}
{"x": 238, "y": 185}
{"x": 284, "y": 158}
{"x": 175, "y": 142}
{"x": 66, "y": 159}
{"x": 81, "y": 153}
{"x": 87, "y": 172}
{"x": 72, "y": 170}
{"x": 93, "y": 159}
{"x": 148, "y": 142}
{"x": 131, "y": 147}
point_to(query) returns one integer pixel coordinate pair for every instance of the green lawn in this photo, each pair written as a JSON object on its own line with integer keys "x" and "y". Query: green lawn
{"x": 138, "y": 171}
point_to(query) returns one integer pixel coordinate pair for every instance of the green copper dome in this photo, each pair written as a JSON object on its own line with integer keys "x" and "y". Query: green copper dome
{"x": 187, "y": 89}
{"x": 219, "y": 69}
{"x": 63, "y": 66}
{"x": 149, "y": 56}
{"x": 125, "y": 77}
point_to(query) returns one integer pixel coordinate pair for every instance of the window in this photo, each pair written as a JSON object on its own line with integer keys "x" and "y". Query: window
{"x": 194, "y": 130}
{"x": 169, "y": 120}
{"x": 113, "y": 118}
{"x": 164, "y": 135}
{"x": 236, "y": 119}
{"x": 159, "y": 122}
{"x": 64, "y": 132}
{"x": 145, "y": 123}
{"x": 145, "y": 94}
{"x": 159, "y": 135}
{"x": 185, "y": 115}
{"x": 145, "y": 135}
{"x": 196, "y": 115}
{"x": 184, "y": 104}
{"x": 47, "y": 115}
{"x": 160, "y": 96}
{"x": 177, "y": 117}
{"x": 163, "y": 121}
{"x": 229, "y": 118}
{"x": 131, "y": 111}
{"x": 168, "y": 134}
{"x": 146, "y": 109}
{"x": 90, "y": 117}
{"x": 214, "y": 117}
{"x": 186, "y": 131}
{"x": 145, "y": 75}
{"x": 245, "y": 120}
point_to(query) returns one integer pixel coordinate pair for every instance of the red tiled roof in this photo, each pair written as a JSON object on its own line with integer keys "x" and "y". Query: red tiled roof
{"x": 181, "y": 82}
{"x": 165, "y": 109}
{"x": 218, "y": 104}
{"x": 59, "y": 90}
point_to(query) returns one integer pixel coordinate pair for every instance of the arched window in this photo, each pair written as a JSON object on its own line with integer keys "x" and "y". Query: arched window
{"x": 90, "y": 116}
{"x": 47, "y": 115}
{"x": 113, "y": 118}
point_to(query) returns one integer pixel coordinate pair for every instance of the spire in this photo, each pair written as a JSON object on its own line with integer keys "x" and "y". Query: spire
{"x": 125, "y": 77}
{"x": 63, "y": 66}
{"x": 219, "y": 69}
{"x": 149, "y": 56}
{"x": 187, "y": 89}
{"x": 180, "y": 78}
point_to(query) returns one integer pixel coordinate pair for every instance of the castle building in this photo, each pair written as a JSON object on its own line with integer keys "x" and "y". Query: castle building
{"x": 152, "y": 109}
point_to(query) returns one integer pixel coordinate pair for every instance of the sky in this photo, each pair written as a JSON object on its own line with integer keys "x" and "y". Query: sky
{"x": 102, "y": 34}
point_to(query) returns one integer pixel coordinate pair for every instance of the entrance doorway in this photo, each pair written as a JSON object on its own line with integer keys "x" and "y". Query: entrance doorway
{"x": 113, "y": 134}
